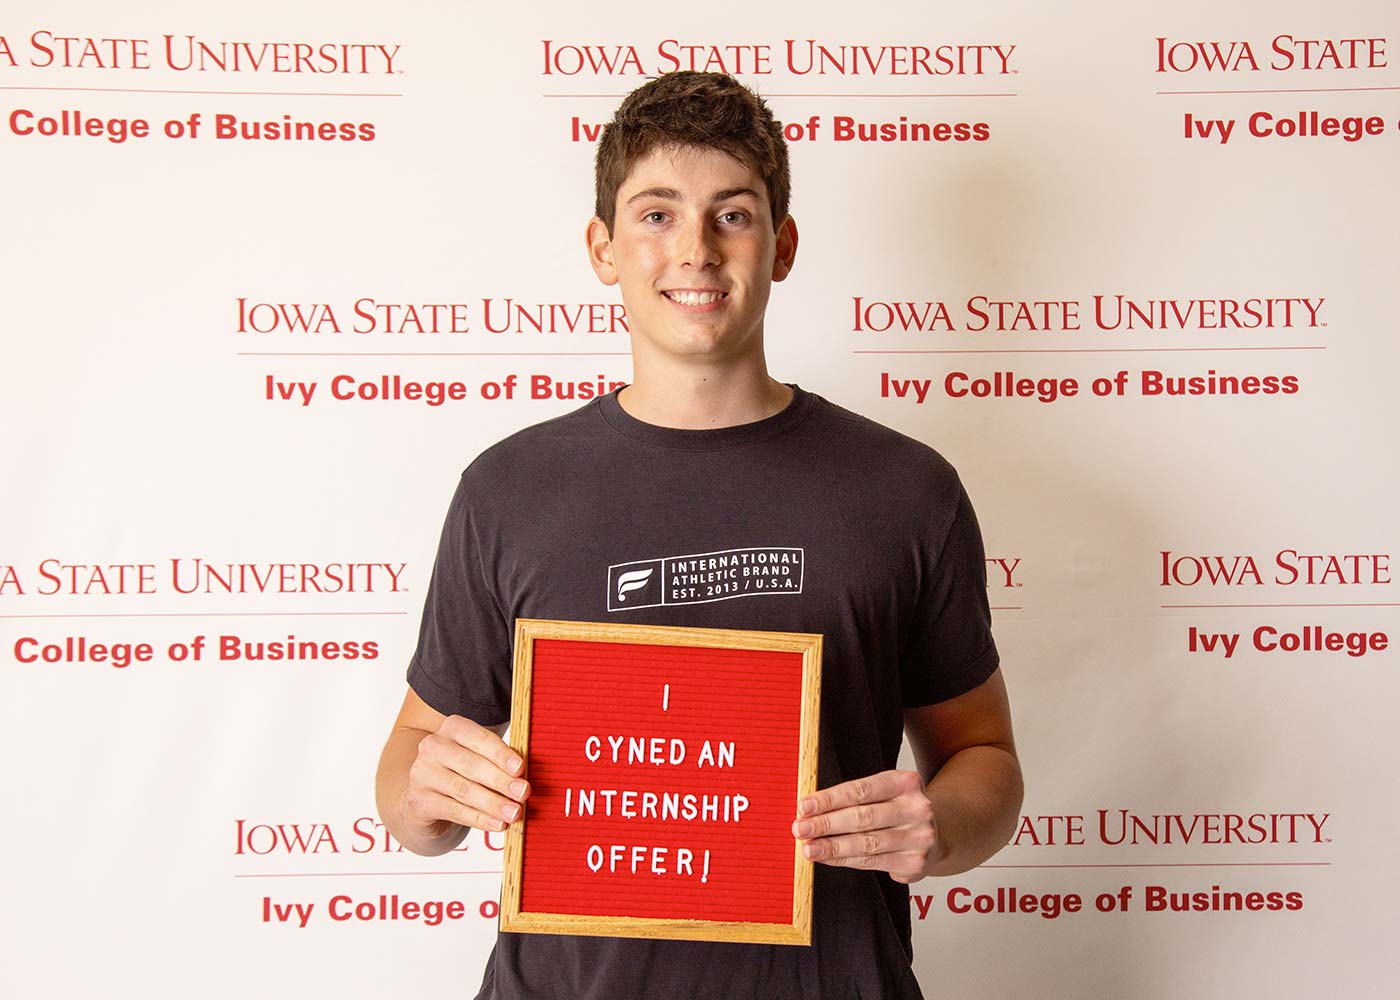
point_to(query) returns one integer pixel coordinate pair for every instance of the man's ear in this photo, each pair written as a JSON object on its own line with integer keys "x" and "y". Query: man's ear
{"x": 600, "y": 254}
{"x": 786, "y": 250}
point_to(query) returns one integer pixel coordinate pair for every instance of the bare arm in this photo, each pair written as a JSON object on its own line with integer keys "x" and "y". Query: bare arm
{"x": 440, "y": 775}
{"x": 959, "y": 810}
{"x": 965, "y": 754}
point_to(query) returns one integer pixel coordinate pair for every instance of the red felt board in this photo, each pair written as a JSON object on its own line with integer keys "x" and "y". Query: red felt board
{"x": 665, "y": 766}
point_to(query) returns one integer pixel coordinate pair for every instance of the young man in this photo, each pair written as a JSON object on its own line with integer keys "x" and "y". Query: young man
{"x": 705, "y": 453}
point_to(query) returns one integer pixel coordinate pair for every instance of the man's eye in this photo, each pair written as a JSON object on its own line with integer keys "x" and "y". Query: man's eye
{"x": 734, "y": 218}
{"x": 654, "y": 217}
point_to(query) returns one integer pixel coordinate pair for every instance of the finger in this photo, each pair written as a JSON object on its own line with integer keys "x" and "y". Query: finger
{"x": 481, "y": 740}
{"x": 466, "y": 790}
{"x": 902, "y": 866}
{"x": 862, "y": 791}
{"x": 437, "y": 806}
{"x": 896, "y": 840}
{"x": 854, "y": 819}
{"x": 472, "y": 766}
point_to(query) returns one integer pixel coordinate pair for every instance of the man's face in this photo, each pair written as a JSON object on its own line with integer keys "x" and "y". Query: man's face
{"x": 694, "y": 252}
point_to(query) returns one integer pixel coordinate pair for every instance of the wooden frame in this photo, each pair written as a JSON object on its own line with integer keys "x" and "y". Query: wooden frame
{"x": 798, "y": 930}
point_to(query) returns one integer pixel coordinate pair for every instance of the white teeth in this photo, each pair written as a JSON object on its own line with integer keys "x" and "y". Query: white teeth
{"x": 687, "y": 298}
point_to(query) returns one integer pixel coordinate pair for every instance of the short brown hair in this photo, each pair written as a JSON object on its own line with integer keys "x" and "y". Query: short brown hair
{"x": 688, "y": 108}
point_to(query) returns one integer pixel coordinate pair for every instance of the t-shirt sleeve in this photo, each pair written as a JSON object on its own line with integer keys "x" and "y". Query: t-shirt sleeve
{"x": 462, "y": 665}
{"x": 949, "y": 649}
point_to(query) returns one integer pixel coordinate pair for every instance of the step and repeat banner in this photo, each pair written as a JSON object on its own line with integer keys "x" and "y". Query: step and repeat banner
{"x": 274, "y": 275}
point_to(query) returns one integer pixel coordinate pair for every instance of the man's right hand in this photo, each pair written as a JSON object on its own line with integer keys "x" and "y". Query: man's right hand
{"x": 467, "y": 775}
{"x": 441, "y": 774}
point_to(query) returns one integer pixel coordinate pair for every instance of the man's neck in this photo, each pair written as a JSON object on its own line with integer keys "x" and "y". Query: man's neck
{"x": 703, "y": 397}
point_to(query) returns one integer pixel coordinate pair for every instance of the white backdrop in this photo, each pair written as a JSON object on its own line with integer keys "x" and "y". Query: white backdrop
{"x": 182, "y": 313}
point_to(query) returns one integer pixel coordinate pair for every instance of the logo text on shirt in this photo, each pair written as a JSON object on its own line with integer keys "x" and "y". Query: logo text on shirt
{"x": 704, "y": 576}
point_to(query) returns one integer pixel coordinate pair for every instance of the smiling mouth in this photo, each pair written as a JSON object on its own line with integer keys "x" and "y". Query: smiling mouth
{"x": 688, "y": 297}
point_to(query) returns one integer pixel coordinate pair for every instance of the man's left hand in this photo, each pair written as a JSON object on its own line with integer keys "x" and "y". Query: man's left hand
{"x": 884, "y": 822}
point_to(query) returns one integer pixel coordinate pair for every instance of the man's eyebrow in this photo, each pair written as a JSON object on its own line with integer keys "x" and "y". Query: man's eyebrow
{"x": 671, "y": 194}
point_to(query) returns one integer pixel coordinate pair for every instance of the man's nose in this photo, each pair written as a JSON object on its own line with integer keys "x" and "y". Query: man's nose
{"x": 698, "y": 247}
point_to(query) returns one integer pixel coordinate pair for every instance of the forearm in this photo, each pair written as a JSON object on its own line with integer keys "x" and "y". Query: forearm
{"x": 976, "y": 798}
{"x": 390, "y": 786}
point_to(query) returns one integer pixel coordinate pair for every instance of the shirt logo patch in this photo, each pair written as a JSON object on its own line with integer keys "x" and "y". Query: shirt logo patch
{"x": 704, "y": 577}
{"x": 634, "y": 579}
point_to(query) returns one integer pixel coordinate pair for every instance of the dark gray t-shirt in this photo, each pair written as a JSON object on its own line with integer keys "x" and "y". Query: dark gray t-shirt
{"x": 873, "y": 543}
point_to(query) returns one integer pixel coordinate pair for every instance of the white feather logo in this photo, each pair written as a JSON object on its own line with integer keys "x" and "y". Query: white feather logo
{"x": 635, "y": 580}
